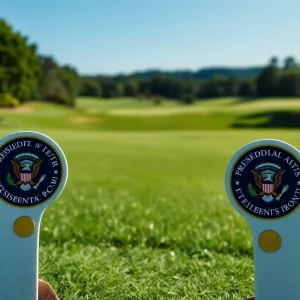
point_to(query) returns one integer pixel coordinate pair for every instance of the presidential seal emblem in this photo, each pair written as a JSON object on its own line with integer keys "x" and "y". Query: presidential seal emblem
{"x": 267, "y": 178}
{"x": 26, "y": 167}
{"x": 31, "y": 171}
{"x": 265, "y": 181}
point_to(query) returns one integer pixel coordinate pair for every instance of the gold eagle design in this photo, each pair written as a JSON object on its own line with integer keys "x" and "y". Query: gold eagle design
{"x": 277, "y": 182}
{"x": 35, "y": 171}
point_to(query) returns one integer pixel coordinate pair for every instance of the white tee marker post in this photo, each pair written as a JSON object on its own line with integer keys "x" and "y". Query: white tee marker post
{"x": 33, "y": 173}
{"x": 263, "y": 185}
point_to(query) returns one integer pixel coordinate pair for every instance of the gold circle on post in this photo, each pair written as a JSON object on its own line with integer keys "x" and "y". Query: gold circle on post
{"x": 269, "y": 241}
{"x": 24, "y": 226}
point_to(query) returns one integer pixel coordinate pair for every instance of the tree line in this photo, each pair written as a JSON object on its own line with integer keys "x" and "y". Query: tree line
{"x": 25, "y": 75}
{"x": 271, "y": 81}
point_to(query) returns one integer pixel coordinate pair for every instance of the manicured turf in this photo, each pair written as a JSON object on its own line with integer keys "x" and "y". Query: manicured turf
{"x": 132, "y": 115}
{"x": 144, "y": 214}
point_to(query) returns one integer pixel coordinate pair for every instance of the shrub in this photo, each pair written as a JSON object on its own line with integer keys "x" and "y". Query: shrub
{"x": 57, "y": 93}
{"x": 157, "y": 100}
{"x": 7, "y": 100}
{"x": 188, "y": 99}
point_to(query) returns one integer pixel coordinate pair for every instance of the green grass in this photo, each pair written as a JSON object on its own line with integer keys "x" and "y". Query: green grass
{"x": 144, "y": 214}
{"x": 145, "y": 217}
{"x": 132, "y": 107}
{"x": 215, "y": 114}
{"x": 132, "y": 115}
{"x": 95, "y": 104}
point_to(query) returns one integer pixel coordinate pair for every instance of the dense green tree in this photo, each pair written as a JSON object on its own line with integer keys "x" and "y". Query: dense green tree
{"x": 131, "y": 88}
{"x": 267, "y": 81}
{"x": 247, "y": 88}
{"x": 189, "y": 91}
{"x": 70, "y": 80}
{"x": 144, "y": 88}
{"x": 211, "y": 88}
{"x": 58, "y": 84}
{"x": 172, "y": 87}
{"x": 274, "y": 62}
{"x": 290, "y": 63}
{"x": 90, "y": 87}
{"x": 219, "y": 87}
{"x": 289, "y": 83}
{"x": 231, "y": 86}
{"x": 111, "y": 88}
{"x": 19, "y": 64}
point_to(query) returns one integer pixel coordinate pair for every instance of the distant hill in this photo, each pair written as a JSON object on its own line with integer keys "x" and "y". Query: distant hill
{"x": 205, "y": 73}
{"x": 228, "y": 72}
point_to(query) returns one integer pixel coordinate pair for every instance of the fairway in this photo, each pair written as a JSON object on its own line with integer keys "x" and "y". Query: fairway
{"x": 129, "y": 115}
{"x": 145, "y": 216}
{"x": 132, "y": 107}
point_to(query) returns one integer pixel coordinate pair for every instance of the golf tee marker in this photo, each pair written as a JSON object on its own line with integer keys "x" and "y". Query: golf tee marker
{"x": 33, "y": 173}
{"x": 263, "y": 184}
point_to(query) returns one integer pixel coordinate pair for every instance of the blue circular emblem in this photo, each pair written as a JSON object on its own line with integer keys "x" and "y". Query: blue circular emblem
{"x": 31, "y": 171}
{"x": 265, "y": 181}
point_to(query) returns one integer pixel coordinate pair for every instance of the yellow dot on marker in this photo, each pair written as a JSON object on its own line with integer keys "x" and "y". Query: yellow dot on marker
{"x": 24, "y": 226}
{"x": 269, "y": 241}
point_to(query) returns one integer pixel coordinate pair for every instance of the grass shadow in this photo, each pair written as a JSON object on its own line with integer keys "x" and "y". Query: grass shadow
{"x": 234, "y": 100}
{"x": 278, "y": 119}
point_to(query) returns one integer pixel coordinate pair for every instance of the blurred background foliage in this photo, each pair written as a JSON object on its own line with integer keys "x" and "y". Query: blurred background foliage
{"x": 28, "y": 76}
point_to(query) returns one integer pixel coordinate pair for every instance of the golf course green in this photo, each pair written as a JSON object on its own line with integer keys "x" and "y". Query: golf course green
{"x": 144, "y": 214}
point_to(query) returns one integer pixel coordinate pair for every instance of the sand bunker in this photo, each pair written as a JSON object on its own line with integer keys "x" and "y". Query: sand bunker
{"x": 85, "y": 120}
{"x": 157, "y": 111}
{"x": 18, "y": 110}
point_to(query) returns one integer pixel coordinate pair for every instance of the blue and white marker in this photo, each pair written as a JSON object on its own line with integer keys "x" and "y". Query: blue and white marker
{"x": 33, "y": 174}
{"x": 263, "y": 185}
